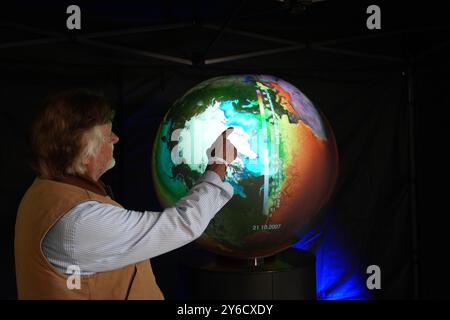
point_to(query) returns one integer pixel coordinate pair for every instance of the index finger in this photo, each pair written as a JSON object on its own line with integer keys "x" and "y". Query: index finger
{"x": 228, "y": 131}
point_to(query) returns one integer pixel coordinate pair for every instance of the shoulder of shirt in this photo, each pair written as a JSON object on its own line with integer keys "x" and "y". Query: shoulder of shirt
{"x": 81, "y": 209}
{"x": 86, "y": 205}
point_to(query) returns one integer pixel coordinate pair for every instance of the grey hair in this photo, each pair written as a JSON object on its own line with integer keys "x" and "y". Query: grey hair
{"x": 91, "y": 141}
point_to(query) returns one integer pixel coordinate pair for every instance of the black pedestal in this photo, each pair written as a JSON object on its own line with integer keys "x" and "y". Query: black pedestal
{"x": 286, "y": 275}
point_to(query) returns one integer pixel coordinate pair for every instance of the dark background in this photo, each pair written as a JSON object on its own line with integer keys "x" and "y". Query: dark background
{"x": 385, "y": 93}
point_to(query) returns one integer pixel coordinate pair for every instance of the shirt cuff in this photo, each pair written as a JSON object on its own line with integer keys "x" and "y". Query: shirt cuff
{"x": 213, "y": 178}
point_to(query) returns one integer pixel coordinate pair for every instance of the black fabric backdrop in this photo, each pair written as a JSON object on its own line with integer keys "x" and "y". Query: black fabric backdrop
{"x": 366, "y": 104}
{"x": 368, "y": 112}
{"x": 369, "y": 116}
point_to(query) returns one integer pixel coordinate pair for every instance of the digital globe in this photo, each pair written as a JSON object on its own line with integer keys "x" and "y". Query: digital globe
{"x": 285, "y": 171}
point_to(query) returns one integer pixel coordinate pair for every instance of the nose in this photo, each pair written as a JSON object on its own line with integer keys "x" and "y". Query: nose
{"x": 115, "y": 138}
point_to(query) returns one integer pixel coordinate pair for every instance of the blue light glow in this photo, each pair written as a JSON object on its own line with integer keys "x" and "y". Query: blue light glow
{"x": 339, "y": 277}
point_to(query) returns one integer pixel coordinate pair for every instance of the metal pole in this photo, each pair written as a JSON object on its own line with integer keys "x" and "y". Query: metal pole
{"x": 412, "y": 179}
{"x": 135, "y": 52}
{"x": 221, "y": 30}
{"x": 356, "y": 53}
{"x": 253, "y": 35}
{"x": 120, "y": 121}
{"x": 27, "y": 43}
{"x": 149, "y": 29}
{"x": 253, "y": 54}
{"x": 431, "y": 50}
{"x": 381, "y": 35}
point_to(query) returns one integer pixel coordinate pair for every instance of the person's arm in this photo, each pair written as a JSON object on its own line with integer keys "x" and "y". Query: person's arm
{"x": 218, "y": 168}
{"x": 101, "y": 237}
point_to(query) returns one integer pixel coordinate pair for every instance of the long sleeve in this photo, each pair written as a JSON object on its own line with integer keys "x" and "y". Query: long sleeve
{"x": 101, "y": 237}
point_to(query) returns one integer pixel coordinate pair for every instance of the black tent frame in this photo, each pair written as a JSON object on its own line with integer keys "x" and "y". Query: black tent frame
{"x": 408, "y": 63}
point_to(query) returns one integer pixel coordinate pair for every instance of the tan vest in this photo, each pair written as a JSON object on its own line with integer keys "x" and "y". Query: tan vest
{"x": 44, "y": 203}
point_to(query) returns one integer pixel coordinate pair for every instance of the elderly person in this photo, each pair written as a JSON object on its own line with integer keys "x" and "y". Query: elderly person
{"x": 67, "y": 220}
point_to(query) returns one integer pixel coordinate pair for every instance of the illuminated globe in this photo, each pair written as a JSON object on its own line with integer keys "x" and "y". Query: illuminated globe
{"x": 285, "y": 170}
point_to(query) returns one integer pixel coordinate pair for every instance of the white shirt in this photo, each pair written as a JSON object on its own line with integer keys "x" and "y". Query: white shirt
{"x": 100, "y": 237}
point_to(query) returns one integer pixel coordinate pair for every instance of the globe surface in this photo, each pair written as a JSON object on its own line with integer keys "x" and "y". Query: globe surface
{"x": 285, "y": 171}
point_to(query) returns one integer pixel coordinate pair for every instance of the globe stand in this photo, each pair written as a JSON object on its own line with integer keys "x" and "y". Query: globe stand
{"x": 287, "y": 275}
{"x": 255, "y": 263}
